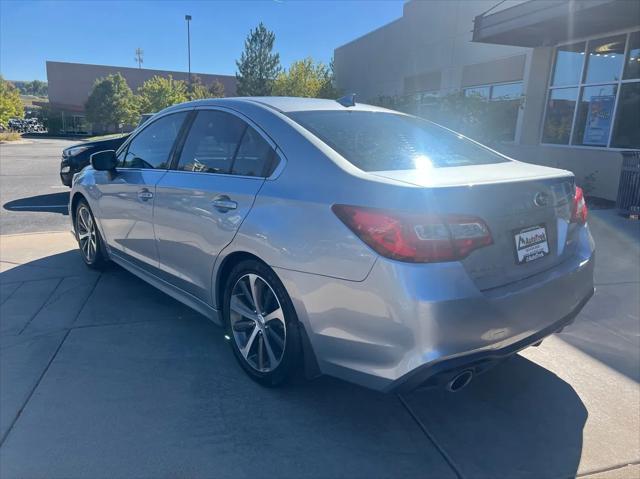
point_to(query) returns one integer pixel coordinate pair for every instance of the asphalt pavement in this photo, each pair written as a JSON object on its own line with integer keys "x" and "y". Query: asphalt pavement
{"x": 101, "y": 375}
{"x": 33, "y": 198}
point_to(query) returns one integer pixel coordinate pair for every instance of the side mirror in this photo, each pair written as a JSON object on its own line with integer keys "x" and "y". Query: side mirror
{"x": 104, "y": 160}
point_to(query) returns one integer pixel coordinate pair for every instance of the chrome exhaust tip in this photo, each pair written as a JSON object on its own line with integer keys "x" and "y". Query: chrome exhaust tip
{"x": 460, "y": 381}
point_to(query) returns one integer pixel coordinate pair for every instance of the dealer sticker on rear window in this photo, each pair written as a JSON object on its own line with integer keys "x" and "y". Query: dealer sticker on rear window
{"x": 531, "y": 244}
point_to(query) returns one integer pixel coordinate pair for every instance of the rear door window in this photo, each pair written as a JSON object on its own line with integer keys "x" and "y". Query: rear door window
{"x": 254, "y": 156}
{"x": 212, "y": 142}
{"x": 380, "y": 141}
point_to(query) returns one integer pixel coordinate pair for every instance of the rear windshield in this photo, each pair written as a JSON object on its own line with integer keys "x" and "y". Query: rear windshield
{"x": 379, "y": 141}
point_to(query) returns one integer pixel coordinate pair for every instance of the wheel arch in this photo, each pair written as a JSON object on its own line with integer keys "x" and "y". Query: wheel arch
{"x": 75, "y": 199}
{"x": 224, "y": 270}
{"x": 310, "y": 363}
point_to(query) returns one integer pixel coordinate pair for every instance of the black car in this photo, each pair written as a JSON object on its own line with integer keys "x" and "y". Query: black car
{"x": 78, "y": 156}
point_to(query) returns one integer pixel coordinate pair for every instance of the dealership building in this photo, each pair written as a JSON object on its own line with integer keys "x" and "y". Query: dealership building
{"x": 70, "y": 85}
{"x": 565, "y": 74}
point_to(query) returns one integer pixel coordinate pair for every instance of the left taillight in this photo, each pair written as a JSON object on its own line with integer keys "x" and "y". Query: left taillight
{"x": 415, "y": 238}
{"x": 579, "y": 210}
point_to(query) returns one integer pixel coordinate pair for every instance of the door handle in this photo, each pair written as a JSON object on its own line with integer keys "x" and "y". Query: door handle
{"x": 223, "y": 203}
{"x": 144, "y": 194}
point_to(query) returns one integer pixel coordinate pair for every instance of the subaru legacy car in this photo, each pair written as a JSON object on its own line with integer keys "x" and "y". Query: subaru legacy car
{"x": 332, "y": 238}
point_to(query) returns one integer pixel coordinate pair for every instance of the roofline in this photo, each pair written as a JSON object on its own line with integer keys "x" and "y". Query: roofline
{"x": 258, "y": 101}
{"x": 136, "y": 69}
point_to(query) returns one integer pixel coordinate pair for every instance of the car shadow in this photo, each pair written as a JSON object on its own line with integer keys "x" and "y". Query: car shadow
{"x": 516, "y": 420}
{"x": 169, "y": 378}
{"x": 608, "y": 328}
{"x": 52, "y": 203}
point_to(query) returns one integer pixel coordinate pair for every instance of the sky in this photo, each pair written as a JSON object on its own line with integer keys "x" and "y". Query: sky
{"x": 108, "y": 32}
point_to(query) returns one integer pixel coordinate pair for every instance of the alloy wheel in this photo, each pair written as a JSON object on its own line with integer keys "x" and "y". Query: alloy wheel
{"x": 257, "y": 323}
{"x": 87, "y": 237}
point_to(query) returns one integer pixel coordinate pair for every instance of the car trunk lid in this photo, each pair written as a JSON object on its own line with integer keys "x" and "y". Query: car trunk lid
{"x": 526, "y": 207}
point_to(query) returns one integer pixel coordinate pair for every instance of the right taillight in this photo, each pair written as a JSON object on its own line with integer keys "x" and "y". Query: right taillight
{"x": 579, "y": 207}
{"x": 415, "y": 238}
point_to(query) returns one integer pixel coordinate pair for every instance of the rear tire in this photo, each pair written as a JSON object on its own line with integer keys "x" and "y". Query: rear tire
{"x": 88, "y": 236}
{"x": 262, "y": 324}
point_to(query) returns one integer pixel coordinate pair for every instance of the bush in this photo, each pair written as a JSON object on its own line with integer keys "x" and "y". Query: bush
{"x": 9, "y": 136}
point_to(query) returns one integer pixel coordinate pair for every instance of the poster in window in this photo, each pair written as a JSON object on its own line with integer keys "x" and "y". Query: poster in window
{"x": 599, "y": 118}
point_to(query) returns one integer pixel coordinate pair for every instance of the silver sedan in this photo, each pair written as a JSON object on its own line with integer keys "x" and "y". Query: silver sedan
{"x": 341, "y": 239}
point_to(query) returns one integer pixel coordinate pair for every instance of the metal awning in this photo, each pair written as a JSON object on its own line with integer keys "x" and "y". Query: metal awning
{"x": 548, "y": 22}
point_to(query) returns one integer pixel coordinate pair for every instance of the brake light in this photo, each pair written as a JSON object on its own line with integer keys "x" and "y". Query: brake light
{"x": 415, "y": 238}
{"x": 579, "y": 208}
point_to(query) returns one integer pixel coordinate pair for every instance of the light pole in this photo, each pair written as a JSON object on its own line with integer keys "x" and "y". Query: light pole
{"x": 188, "y": 19}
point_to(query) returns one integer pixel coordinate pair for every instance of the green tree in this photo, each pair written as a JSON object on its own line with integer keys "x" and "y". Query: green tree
{"x": 198, "y": 90}
{"x": 305, "y": 78}
{"x": 35, "y": 87}
{"x": 158, "y": 93}
{"x": 38, "y": 88}
{"x": 258, "y": 66}
{"x": 329, "y": 88}
{"x": 216, "y": 90}
{"x": 111, "y": 103}
{"x": 10, "y": 103}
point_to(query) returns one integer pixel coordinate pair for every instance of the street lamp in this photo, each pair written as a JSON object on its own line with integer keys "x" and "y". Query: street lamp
{"x": 188, "y": 19}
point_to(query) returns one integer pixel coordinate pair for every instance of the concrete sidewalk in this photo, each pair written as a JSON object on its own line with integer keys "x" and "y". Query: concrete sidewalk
{"x": 103, "y": 376}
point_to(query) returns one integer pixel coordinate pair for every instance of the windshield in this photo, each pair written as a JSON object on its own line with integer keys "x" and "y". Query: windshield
{"x": 379, "y": 141}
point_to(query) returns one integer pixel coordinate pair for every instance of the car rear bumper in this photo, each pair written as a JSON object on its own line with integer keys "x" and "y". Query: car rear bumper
{"x": 407, "y": 324}
{"x": 441, "y": 372}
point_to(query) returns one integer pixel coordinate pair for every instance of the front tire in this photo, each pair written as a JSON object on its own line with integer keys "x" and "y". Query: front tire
{"x": 261, "y": 324}
{"x": 88, "y": 237}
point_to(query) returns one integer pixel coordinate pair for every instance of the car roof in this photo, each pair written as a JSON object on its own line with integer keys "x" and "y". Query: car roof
{"x": 282, "y": 104}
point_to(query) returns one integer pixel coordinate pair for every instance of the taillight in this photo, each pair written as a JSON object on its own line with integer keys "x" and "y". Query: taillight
{"x": 415, "y": 238}
{"x": 579, "y": 207}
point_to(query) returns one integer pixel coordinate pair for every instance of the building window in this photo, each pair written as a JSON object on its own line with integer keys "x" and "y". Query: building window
{"x": 604, "y": 59}
{"x": 502, "y": 107}
{"x": 506, "y": 92}
{"x": 627, "y": 125}
{"x": 74, "y": 124}
{"x": 569, "y": 59}
{"x": 632, "y": 63}
{"x": 593, "y": 94}
{"x": 560, "y": 108}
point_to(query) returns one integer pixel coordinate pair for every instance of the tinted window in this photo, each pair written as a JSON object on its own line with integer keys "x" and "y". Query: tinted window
{"x": 254, "y": 155}
{"x": 627, "y": 130}
{"x": 212, "y": 142}
{"x": 632, "y": 64}
{"x": 376, "y": 141}
{"x": 151, "y": 148}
